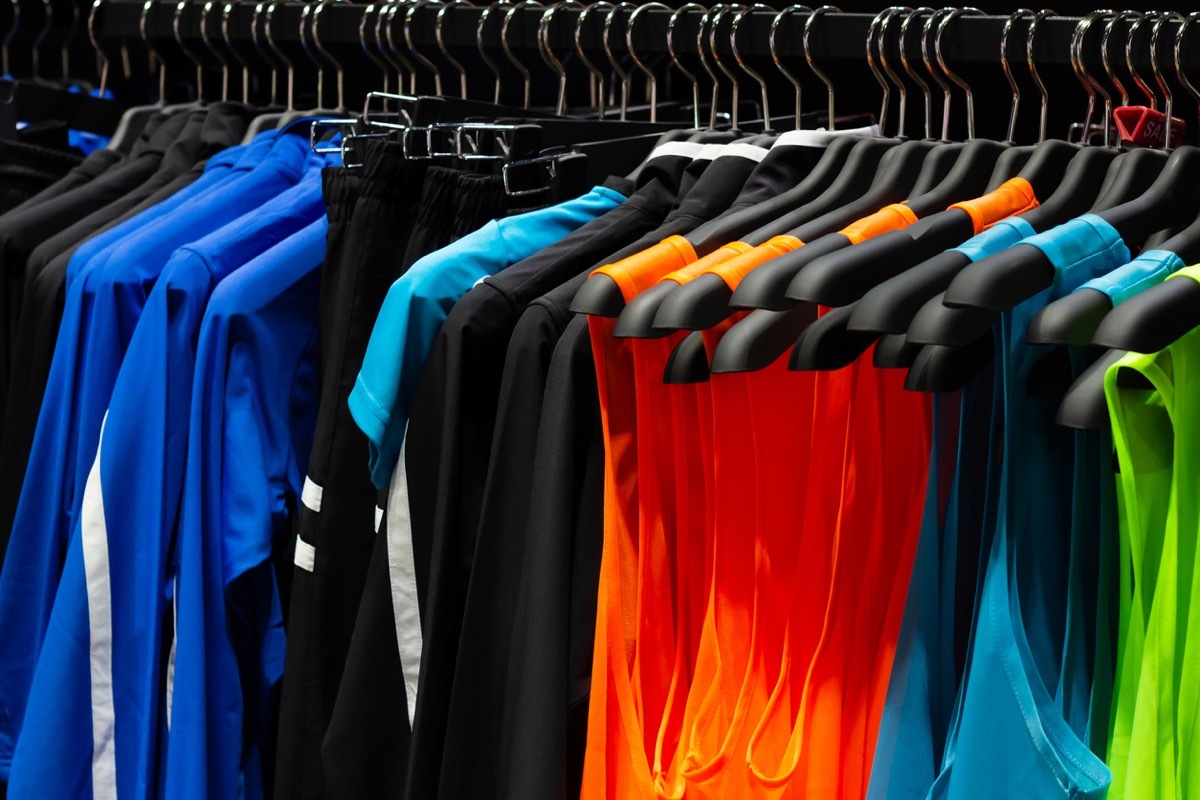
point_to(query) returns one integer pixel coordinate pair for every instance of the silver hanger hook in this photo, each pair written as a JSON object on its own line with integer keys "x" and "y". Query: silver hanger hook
{"x": 265, "y": 52}
{"x": 930, "y": 59}
{"x": 651, "y": 81}
{"x": 305, "y": 33}
{"x": 792, "y": 79}
{"x": 524, "y": 70}
{"x": 914, "y": 73}
{"x": 1020, "y": 13}
{"x": 412, "y": 48}
{"x": 91, "y": 30}
{"x": 268, "y": 28}
{"x": 1104, "y": 52}
{"x": 180, "y": 7}
{"x": 721, "y": 10}
{"x": 483, "y": 18}
{"x": 216, "y": 51}
{"x": 759, "y": 79}
{"x": 1130, "y": 37}
{"x": 327, "y": 56}
{"x": 41, "y": 37}
{"x": 226, "y": 13}
{"x": 369, "y": 51}
{"x": 1090, "y": 84}
{"x": 68, "y": 38}
{"x": 1169, "y": 106}
{"x": 691, "y": 77}
{"x": 593, "y": 70}
{"x": 441, "y": 42}
{"x": 612, "y": 59}
{"x": 560, "y": 106}
{"x": 1183, "y": 78}
{"x": 712, "y": 76}
{"x": 808, "y": 59}
{"x": 1029, "y": 37}
{"x": 885, "y": 62}
{"x": 404, "y": 67}
{"x": 962, "y": 84}
{"x": 872, "y": 29}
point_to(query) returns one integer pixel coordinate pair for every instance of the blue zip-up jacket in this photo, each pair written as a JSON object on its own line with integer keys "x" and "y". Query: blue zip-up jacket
{"x": 93, "y": 713}
{"x": 254, "y": 406}
{"x": 102, "y": 308}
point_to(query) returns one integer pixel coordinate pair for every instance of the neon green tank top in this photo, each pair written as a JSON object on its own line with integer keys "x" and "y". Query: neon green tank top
{"x": 1152, "y": 728}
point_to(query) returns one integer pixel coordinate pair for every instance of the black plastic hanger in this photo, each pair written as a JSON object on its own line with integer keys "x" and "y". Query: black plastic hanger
{"x": 1154, "y": 319}
{"x": 902, "y": 173}
{"x": 1084, "y": 406}
{"x": 843, "y": 277}
{"x": 938, "y": 368}
{"x": 705, "y": 300}
{"x": 893, "y": 351}
{"x": 1074, "y": 319}
{"x": 688, "y": 362}
{"x": 1003, "y": 280}
{"x": 890, "y": 306}
{"x": 1130, "y": 177}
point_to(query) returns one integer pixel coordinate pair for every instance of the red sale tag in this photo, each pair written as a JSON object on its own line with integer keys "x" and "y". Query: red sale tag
{"x": 1146, "y": 127}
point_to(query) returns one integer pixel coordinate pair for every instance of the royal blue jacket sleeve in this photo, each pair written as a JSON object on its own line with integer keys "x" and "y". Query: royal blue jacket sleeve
{"x": 105, "y": 636}
{"x": 253, "y": 413}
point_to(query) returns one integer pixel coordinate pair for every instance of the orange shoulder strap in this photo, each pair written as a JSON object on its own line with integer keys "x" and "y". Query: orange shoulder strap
{"x": 642, "y": 270}
{"x": 733, "y": 270}
{"x": 889, "y": 218}
{"x": 706, "y": 263}
{"x": 1014, "y": 196}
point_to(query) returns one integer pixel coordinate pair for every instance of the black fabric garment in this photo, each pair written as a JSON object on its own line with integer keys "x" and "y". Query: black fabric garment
{"x": 325, "y": 600}
{"x": 350, "y": 771}
{"x": 464, "y": 630}
{"x": 26, "y": 170}
{"x": 89, "y": 169}
{"x": 782, "y": 168}
{"x": 512, "y": 514}
{"x": 23, "y": 230}
{"x": 204, "y": 134}
{"x": 553, "y": 630}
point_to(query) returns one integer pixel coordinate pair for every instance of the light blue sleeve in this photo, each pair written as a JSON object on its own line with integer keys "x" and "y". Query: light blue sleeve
{"x": 418, "y": 303}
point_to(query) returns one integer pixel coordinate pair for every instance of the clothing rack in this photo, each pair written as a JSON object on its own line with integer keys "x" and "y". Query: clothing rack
{"x": 835, "y": 36}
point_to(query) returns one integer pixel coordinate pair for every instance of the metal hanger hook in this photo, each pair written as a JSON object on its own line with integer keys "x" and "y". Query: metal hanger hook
{"x": 91, "y": 30}
{"x": 560, "y": 106}
{"x": 1179, "y": 36}
{"x": 606, "y": 35}
{"x": 524, "y": 70}
{"x": 593, "y": 70}
{"x": 792, "y": 79}
{"x": 1169, "y": 106}
{"x": 962, "y": 84}
{"x": 412, "y": 48}
{"x": 808, "y": 59}
{"x": 885, "y": 62}
{"x": 914, "y": 73}
{"x": 721, "y": 10}
{"x": 1130, "y": 37}
{"x": 1090, "y": 84}
{"x": 180, "y": 7}
{"x": 712, "y": 76}
{"x": 651, "y": 81}
{"x": 1020, "y": 13}
{"x": 759, "y": 79}
{"x": 441, "y": 42}
{"x": 1104, "y": 52}
{"x": 479, "y": 30}
{"x": 690, "y": 76}
{"x": 884, "y": 85}
{"x": 1029, "y": 38}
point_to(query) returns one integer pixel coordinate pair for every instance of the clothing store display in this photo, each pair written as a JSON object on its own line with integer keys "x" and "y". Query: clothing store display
{"x": 581, "y": 443}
